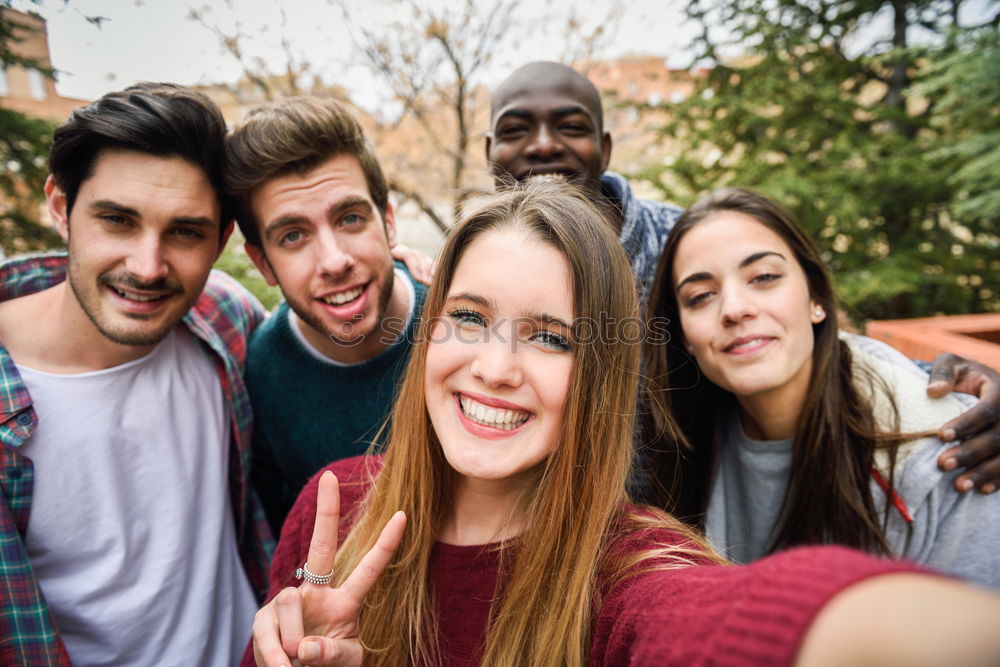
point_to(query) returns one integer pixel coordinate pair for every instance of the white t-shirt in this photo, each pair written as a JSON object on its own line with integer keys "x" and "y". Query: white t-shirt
{"x": 131, "y": 534}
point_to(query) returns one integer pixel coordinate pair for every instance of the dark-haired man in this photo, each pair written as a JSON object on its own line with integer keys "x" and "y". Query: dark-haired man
{"x": 126, "y": 534}
{"x": 546, "y": 118}
{"x": 322, "y": 371}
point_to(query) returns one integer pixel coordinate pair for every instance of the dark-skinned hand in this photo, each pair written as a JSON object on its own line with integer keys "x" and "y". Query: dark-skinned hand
{"x": 978, "y": 430}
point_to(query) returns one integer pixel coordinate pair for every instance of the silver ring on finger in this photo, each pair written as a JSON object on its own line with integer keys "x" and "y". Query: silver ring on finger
{"x": 318, "y": 579}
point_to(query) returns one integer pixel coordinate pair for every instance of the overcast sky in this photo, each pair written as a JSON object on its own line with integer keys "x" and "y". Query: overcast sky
{"x": 154, "y": 39}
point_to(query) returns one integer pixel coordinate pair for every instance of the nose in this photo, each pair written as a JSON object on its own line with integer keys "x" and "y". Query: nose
{"x": 496, "y": 362}
{"x": 736, "y": 306}
{"x": 147, "y": 261}
{"x": 334, "y": 258}
{"x": 544, "y": 144}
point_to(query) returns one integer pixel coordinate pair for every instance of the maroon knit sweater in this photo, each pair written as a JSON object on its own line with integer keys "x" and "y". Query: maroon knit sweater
{"x": 742, "y": 616}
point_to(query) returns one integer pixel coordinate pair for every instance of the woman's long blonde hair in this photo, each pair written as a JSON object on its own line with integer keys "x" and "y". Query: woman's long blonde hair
{"x": 546, "y": 591}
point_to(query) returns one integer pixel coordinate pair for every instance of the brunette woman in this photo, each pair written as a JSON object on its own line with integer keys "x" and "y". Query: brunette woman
{"x": 509, "y": 451}
{"x": 789, "y": 432}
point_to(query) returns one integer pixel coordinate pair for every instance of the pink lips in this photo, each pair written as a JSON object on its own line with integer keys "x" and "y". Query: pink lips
{"x": 747, "y": 344}
{"x": 487, "y": 432}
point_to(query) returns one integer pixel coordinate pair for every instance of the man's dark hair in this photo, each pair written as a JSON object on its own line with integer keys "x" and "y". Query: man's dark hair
{"x": 161, "y": 119}
{"x": 293, "y": 136}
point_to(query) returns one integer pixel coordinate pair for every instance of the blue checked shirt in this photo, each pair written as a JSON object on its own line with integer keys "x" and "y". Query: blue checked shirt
{"x": 645, "y": 225}
{"x": 222, "y": 318}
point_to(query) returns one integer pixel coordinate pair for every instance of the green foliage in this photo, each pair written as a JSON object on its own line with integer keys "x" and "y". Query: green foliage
{"x": 839, "y": 136}
{"x": 966, "y": 88}
{"x": 235, "y": 262}
{"x": 24, "y": 143}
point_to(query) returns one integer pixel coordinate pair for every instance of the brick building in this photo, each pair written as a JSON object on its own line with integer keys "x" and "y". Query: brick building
{"x": 27, "y": 90}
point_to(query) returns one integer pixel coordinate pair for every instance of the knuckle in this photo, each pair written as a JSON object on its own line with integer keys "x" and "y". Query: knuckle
{"x": 991, "y": 413}
{"x": 286, "y": 597}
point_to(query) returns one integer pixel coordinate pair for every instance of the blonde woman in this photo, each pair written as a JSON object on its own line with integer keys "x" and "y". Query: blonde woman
{"x": 516, "y": 544}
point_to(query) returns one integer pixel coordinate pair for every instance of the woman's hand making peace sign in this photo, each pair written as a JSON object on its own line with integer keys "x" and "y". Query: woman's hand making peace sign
{"x": 317, "y": 624}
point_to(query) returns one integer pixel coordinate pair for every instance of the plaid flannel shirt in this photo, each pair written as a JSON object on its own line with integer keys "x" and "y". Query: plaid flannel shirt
{"x": 222, "y": 318}
{"x": 645, "y": 226}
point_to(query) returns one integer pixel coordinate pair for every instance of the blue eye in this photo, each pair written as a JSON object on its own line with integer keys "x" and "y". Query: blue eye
{"x": 467, "y": 316}
{"x": 290, "y": 237}
{"x": 552, "y": 341}
{"x": 765, "y": 278}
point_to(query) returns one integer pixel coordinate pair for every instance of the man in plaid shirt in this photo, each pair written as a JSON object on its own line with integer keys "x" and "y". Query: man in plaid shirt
{"x": 128, "y": 532}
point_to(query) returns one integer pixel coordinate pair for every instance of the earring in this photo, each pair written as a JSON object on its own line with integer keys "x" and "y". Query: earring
{"x": 819, "y": 314}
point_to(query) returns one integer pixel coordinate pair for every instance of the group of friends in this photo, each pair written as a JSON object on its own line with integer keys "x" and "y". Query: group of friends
{"x": 473, "y": 462}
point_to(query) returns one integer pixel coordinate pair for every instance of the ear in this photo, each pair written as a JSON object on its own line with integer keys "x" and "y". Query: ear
{"x": 224, "y": 239}
{"x": 260, "y": 261}
{"x": 605, "y": 151}
{"x": 816, "y": 312}
{"x": 55, "y": 198}
{"x": 390, "y": 225}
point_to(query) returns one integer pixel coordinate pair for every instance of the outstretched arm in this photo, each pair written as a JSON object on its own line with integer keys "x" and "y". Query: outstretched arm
{"x": 978, "y": 430}
{"x": 905, "y": 619}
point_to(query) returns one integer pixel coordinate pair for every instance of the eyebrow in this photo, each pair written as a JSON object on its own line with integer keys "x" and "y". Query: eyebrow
{"x": 525, "y": 114}
{"x": 474, "y": 298}
{"x": 109, "y": 205}
{"x": 571, "y": 110}
{"x": 702, "y": 276}
{"x": 354, "y": 201}
{"x": 757, "y": 256}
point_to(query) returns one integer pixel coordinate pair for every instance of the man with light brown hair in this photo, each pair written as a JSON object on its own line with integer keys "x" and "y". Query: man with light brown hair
{"x": 314, "y": 208}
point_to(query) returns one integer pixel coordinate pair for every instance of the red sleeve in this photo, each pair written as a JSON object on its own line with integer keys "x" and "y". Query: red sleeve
{"x": 739, "y": 616}
{"x": 354, "y": 477}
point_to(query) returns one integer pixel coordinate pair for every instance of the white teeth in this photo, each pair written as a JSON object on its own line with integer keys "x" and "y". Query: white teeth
{"x": 505, "y": 420}
{"x": 745, "y": 344}
{"x": 344, "y": 297}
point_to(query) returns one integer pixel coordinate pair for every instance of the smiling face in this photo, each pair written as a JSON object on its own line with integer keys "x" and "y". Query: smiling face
{"x": 548, "y": 120}
{"x": 745, "y": 309}
{"x": 499, "y": 358}
{"x": 325, "y": 244}
{"x": 143, "y": 234}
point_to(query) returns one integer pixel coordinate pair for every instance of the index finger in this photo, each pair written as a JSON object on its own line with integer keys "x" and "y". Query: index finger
{"x": 323, "y": 545}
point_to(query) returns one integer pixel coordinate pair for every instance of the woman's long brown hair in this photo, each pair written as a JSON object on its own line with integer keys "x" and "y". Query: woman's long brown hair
{"x": 828, "y": 498}
{"x": 547, "y": 588}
